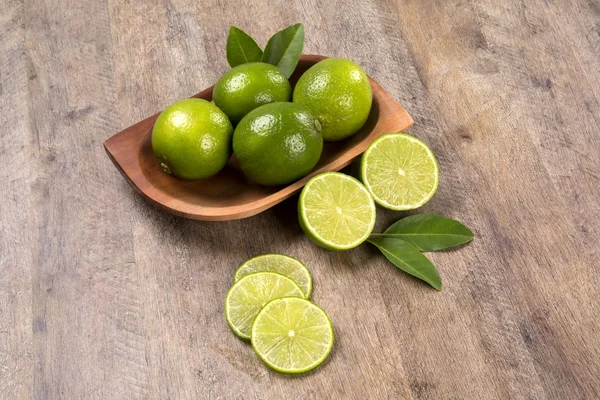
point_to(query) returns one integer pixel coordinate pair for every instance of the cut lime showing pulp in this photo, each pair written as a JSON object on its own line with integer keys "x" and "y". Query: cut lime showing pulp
{"x": 400, "y": 171}
{"x": 292, "y": 335}
{"x": 336, "y": 211}
{"x": 281, "y": 264}
{"x": 247, "y": 296}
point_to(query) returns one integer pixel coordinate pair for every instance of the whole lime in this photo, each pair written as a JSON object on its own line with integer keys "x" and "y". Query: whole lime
{"x": 338, "y": 93}
{"x": 247, "y": 86}
{"x": 192, "y": 139}
{"x": 277, "y": 143}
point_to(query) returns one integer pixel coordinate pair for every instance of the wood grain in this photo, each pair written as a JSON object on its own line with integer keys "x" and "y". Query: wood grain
{"x": 229, "y": 195}
{"x": 17, "y": 238}
{"x": 103, "y": 296}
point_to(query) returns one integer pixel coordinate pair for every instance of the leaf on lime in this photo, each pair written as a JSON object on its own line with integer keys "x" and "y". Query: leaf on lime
{"x": 241, "y": 48}
{"x": 284, "y": 48}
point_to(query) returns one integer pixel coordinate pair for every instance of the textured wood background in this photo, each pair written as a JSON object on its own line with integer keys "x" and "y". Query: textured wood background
{"x": 104, "y": 297}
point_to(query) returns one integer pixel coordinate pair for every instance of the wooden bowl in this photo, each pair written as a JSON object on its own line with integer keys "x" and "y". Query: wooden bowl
{"x": 229, "y": 195}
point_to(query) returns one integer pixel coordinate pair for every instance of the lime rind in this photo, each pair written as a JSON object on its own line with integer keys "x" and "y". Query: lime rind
{"x": 281, "y": 336}
{"x": 247, "y": 86}
{"x": 327, "y": 203}
{"x": 339, "y": 94}
{"x": 248, "y": 295}
{"x": 383, "y": 170}
{"x": 280, "y": 263}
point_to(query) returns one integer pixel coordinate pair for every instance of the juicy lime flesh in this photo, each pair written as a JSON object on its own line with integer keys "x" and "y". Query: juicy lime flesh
{"x": 400, "y": 171}
{"x": 292, "y": 335}
{"x": 247, "y": 86}
{"x": 277, "y": 143}
{"x": 336, "y": 211}
{"x": 281, "y": 264}
{"x": 192, "y": 139}
{"x": 247, "y": 296}
{"x": 338, "y": 93}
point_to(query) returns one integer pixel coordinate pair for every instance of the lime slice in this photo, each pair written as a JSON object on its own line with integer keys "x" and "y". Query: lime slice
{"x": 336, "y": 211}
{"x": 292, "y": 335}
{"x": 248, "y": 295}
{"x": 400, "y": 171}
{"x": 280, "y": 263}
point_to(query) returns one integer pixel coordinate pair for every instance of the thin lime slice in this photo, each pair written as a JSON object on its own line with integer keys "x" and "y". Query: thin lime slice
{"x": 292, "y": 335}
{"x": 400, "y": 171}
{"x": 248, "y": 295}
{"x": 336, "y": 211}
{"x": 281, "y": 264}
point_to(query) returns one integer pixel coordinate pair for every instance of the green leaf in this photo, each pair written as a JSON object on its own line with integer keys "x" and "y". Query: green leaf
{"x": 406, "y": 257}
{"x": 241, "y": 48}
{"x": 429, "y": 232}
{"x": 284, "y": 48}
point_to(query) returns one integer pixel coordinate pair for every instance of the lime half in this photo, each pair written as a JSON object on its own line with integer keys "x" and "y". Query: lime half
{"x": 336, "y": 211}
{"x": 400, "y": 171}
{"x": 281, "y": 264}
{"x": 292, "y": 335}
{"x": 247, "y": 296}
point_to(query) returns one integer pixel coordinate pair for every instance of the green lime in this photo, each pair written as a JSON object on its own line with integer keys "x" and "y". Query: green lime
{"x": 281, "y": 264}
{"x": 292, "y": 335}
{"x": 336, "y": 211}
{"x": 338, "y": 93}
{"x": 247, "y": 86}
{"x": 277, "y": 143}
{"x": 192, "y": 139}
{"x": 248, "y": 295}
{"x": 400, "y": 171}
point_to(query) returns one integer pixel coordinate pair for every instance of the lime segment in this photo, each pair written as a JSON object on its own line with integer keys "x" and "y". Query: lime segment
{"x": 247, "y": 296}
{"x": 281, "y": 264}
{"x": 400, "y": 171}
{"x": 292, "y": 335}
{"x": 336, "y": 211}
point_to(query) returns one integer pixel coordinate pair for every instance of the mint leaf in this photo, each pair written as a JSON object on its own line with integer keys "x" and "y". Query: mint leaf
{"x": 429, "y": 232}
{"x": 406, "y": 257}
{"x": 284, "y": 48}
{"x": 241, "y": 48}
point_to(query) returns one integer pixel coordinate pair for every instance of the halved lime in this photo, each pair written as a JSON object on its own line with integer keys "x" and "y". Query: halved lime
{"x": 248, "y": 295}
{"x": 400, "y": 171}
{"x": 292, "y": 335}
{"x": 336, "y": 211}
{"x": 281, "y": 264}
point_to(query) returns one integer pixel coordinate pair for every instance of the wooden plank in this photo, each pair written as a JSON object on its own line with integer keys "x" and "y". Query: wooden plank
{"x": 501, "y": 81}
{"x": 16, "y": 236}
{"x": 88, "y": 324}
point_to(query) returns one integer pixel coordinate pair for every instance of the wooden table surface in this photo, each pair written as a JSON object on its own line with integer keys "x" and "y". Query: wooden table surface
{"x": 104, "y": 297}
